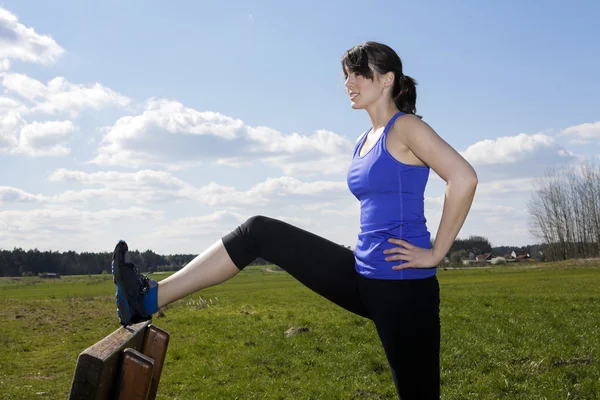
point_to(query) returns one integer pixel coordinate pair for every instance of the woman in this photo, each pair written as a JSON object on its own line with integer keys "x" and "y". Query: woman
{"x": 391, "y": 275}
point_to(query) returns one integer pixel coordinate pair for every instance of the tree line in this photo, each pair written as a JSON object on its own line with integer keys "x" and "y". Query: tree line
{"x": 19, "y": 262}
{"x": 473, "y": 246}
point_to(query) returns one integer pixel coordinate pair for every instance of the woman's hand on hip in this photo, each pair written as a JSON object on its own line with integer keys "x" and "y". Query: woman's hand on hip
{"x": 415, "y": 256}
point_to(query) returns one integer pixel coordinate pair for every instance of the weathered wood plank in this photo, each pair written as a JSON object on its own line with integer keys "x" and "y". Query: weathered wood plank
{"x": 136, "y": 375}
{"x": 98, "y": 365}
{"x": 155, "y": 346}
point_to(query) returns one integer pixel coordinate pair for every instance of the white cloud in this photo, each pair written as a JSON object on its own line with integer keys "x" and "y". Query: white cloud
{"x": 504, "y": 186}
{"x": 18, "y": 42}
{"x": 285, "y": 198}
{"x": 170, "y": 135}
{"x": 326, "y": 165}
{"x": 50, "y": 138}
{"x": 24, "y": 86}
{"x": 73, "y": 198}
{"x": 68, "y": 228}
{"x": 508, "y": 149}
{"x": 519, "y": 156}
{"x": 352, "y": 210}
{"x": 583, "y": 132}
{"x": 434, "y": 201}
{"x": 295, "y": 153}
{"x": 4, "y": 65}
{"x": 10, "y": 128}
{"x": 140, "y": 187}
{"x": 213, "y": 225}
{"x": 61, "y": 96}
{"x": 173, "y": 136}
{"x": 14, "y": 195}
{"x": 502, "y": 224}
{"x": 581, "y": 142}
{"x": 496, "y": 210}
{"x": 275, "y": 192}
{"x": 149, "y": 186}
{"x": 288, "y": 186}
{"x": 12, "y": 106}
{"x": 46, "y": 138}
{"x": 272, "y": 141}
{"x": 206, "y": 229}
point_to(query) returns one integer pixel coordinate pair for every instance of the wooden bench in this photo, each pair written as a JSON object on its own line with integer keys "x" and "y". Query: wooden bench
{"x": 124, "y": 365}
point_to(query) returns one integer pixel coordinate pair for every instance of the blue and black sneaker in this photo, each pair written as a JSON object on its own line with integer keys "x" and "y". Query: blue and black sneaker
{"x": 137, "y": 296}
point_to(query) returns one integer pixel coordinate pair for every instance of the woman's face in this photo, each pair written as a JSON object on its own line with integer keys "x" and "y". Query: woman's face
{"x": 363, "y": 91}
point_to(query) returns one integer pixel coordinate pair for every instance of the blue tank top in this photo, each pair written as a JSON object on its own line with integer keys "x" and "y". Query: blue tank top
{"x": 391, "y": 196}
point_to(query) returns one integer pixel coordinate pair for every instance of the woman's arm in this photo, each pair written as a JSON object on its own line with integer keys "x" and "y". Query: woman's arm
{"x": 461, "y": 182}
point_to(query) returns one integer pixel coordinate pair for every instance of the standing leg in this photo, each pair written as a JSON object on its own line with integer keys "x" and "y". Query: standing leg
{"x": 406, "y": 315}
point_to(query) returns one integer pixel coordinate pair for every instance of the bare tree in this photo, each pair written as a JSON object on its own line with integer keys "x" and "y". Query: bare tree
{"x": 565, "y": 211}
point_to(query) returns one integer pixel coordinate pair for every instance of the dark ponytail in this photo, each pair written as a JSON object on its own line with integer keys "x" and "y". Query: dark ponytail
{"x": 365, "y": 58}
{"x": 405, "y": 93}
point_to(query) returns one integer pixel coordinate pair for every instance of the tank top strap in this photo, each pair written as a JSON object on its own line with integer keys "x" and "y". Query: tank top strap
{"x": 391, "y": 122}
{"x": 360, "y": 141}
{"x": 382, "y": 140}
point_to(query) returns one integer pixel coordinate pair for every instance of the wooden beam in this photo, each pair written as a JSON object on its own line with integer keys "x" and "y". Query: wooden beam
{"x": 98, "y": 366}
{"x": 155, "y": 346}
{"x": 136, "y": 375}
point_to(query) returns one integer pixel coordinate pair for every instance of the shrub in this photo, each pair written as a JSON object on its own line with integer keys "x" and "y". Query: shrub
{"x": 457, "y": 256}
{"x": 498, "y": 261}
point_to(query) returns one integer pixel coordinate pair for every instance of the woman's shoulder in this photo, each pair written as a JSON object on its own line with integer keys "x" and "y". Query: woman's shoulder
{"x": 407, "y": 124}
{"x": 410, "y": 119}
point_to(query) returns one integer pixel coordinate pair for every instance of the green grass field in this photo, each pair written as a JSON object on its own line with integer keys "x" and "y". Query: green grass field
{"x": 507, "y": 333}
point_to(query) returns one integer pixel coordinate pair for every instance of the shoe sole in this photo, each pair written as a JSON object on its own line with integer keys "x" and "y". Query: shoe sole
{"x": 122, "y": 306}
{"x": 123, "y": 310}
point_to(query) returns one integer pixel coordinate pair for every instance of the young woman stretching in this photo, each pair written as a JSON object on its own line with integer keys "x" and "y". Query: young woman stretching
{"x": 390, "y": 277}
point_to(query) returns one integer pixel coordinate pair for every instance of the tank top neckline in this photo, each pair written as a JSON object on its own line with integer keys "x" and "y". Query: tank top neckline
{"x": 385, "y": 129}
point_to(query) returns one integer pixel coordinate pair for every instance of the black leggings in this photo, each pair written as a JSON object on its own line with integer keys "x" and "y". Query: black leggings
{"x": 405, "y": 312}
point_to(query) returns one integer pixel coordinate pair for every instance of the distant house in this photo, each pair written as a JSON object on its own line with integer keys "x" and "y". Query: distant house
{"x": 516, "y": 256}
{"x": 483, "y": 257}
{"x": 50, "y": 275}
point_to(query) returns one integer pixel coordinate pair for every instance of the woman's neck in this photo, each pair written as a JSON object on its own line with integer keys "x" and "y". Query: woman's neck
{"x": 380, "y": 114}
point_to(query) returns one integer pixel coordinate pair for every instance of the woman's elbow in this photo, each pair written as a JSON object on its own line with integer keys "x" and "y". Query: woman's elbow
{"x": 470, "y": 178}
{"x": 466, "y": 182}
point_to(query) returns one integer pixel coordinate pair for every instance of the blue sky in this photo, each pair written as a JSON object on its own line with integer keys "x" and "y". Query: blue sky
{"x": 167, "y": 124}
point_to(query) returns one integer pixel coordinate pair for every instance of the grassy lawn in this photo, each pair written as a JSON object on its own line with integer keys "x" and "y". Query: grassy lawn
{"x": 509, "y": 332}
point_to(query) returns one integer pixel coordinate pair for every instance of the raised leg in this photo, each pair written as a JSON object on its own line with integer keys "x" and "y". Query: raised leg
{"x": 323, "y": 266}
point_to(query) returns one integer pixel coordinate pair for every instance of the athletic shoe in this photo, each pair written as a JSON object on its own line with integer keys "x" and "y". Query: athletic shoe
{"x": 137, "y": 296}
